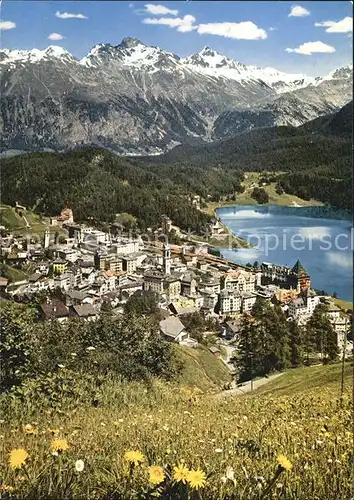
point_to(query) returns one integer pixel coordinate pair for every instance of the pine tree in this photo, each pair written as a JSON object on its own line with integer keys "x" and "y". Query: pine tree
{"x": 295, "y": 344}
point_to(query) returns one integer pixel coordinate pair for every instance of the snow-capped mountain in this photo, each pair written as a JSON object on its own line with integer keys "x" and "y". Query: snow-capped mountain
{"x": 15, "y": 57}
{"x": 135, "y": 98}
{"x": 211, "y": 63}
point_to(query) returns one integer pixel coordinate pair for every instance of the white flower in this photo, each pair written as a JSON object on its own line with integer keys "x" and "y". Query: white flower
{"x": 79, "y": 465}
{"x": 55, "y": 453}
{"x": 230, "y": 473}
{"x": 61, "y": 366}
{"x": 91, "y": 348}
{"x": 218, "y": 450}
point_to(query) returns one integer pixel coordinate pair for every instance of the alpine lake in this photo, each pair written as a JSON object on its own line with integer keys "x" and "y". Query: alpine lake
{"x": 321, "y": 237}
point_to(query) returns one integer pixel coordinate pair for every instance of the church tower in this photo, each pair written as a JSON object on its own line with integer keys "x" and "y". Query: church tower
{"x": 46, "y": 238}
{"x": 299, "y": 277}
{"x": 166, "y": 258}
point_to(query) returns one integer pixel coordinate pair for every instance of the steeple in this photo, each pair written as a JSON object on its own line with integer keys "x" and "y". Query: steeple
{"x": 166, "y": 258}
{"x": 299, "y": 277}
{"x": 46, "y": 238}
{"x": 299, "y": 269}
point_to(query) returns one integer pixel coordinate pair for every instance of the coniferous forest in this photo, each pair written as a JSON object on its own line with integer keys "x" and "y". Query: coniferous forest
{"x": 313, "y": 161}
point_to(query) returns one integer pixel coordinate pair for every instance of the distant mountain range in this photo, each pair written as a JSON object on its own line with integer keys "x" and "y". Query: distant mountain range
{"x": 136, "y": 99}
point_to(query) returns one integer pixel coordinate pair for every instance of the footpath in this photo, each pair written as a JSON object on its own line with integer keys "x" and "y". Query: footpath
{"x": 247, "y": 386}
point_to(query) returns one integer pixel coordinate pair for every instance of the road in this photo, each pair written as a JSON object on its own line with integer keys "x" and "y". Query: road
{"x": 246, "y": 387}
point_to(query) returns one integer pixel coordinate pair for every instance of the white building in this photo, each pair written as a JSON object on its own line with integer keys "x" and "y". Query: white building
{"x": 301, "y": 308}
{"x": 248, "y": 301}
{"x": 240, "y": 281}
{"x": 230, "y": 302}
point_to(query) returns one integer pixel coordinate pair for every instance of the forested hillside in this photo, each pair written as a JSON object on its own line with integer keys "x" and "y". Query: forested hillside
{"x": 315, "y": 162}
{"x": 99, "y": 184}
{"x": 316, "y": 159}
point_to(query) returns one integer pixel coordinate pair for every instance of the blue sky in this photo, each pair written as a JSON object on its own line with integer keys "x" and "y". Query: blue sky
{"x": 308, "y": 37}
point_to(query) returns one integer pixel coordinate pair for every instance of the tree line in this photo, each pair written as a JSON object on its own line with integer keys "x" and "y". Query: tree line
{"x": 268, "y": 342}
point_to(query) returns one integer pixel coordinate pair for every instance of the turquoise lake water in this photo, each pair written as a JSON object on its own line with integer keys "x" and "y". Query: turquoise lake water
{"x": 320, "y": 237}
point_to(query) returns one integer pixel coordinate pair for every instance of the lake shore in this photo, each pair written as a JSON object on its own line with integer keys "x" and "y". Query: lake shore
{"x": 272, "y": 229}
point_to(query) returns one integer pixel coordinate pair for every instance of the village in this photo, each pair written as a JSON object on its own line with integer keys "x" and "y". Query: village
{"x": 92, "y": 269}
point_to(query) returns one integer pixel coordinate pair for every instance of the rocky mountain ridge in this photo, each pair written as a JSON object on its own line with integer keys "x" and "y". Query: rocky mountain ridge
{"x": 133, "y": 98}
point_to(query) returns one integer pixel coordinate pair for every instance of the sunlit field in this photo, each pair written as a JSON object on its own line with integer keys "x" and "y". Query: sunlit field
{"x": 170, "y": 442}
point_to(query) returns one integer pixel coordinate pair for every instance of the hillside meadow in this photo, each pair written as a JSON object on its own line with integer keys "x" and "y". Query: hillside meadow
{"x": 291, "y": 439}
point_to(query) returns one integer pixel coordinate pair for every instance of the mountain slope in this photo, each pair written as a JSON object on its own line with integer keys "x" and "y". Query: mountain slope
{"x": 133, "y": 98}
{"x": 289, "y": 145}
{"x": 340, "y": 123}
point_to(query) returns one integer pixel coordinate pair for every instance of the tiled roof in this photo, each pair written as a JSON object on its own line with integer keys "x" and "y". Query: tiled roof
{"x": 55, "y": 309}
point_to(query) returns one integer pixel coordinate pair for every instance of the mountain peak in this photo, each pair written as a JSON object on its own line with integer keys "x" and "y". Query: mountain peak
{"x": 207, "y": 51}
{"x": 129, "y": 42}
{"x": 56, "y": 51}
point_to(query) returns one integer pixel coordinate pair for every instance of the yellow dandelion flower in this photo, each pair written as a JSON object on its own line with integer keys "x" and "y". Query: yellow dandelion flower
{"x": 134, "y": 457}
{"x": 196, "y": 479}
{"x": 180, "y": 474}
{"x": 59, "y": 445}
{"x": 18, "y": 457}
{"x": 284, "y": 463}
{"x": 156, "y": 474}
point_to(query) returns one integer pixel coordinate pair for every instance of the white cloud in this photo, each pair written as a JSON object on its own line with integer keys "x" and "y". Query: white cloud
{"x": 238, "y": 31}
{"x": 66, "y": 15}
{"x": 343, "y": 26}
{"x": 55, "y": 36}
{"x": 310, "y": 48}
{"x": 7, "y": 25}
{"x": 272, "y": 29}
{"x": 298, "y": 11}
{"x": 183, "y": 24}
{"x": 159, "y": 10}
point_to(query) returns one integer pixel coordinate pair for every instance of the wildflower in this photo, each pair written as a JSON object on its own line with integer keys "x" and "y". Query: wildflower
{"x": 218, "y": 450}
{"x": 245, "y": 471}
{"x": 91, "y": 348}
{"x": 5, "y": 488}
{"x": 180, "y": 474}
{"x": 59, "y": 445}
{"x": 156, "y": 474}
{"x": 29, "y": 429}
{"x": 229, "y": 474}
{"x": 196, "y": 478}
{"x": 79, "y": 465}
{"x": 284, "y": 463}
{"x": 61, "y": 366}
{"x": 18, "y": 457}
{"x": 134, "y": 457}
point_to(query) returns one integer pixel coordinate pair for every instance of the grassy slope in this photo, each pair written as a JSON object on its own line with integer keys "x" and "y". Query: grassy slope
{"x": 202, "y": 369}
{"x": 306, "y": 379}
{"x": 343, "y": 304}
{"x": 12, "y": 273}
{"x": 170, "y": 424}
{"x": 11, "y": 220}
